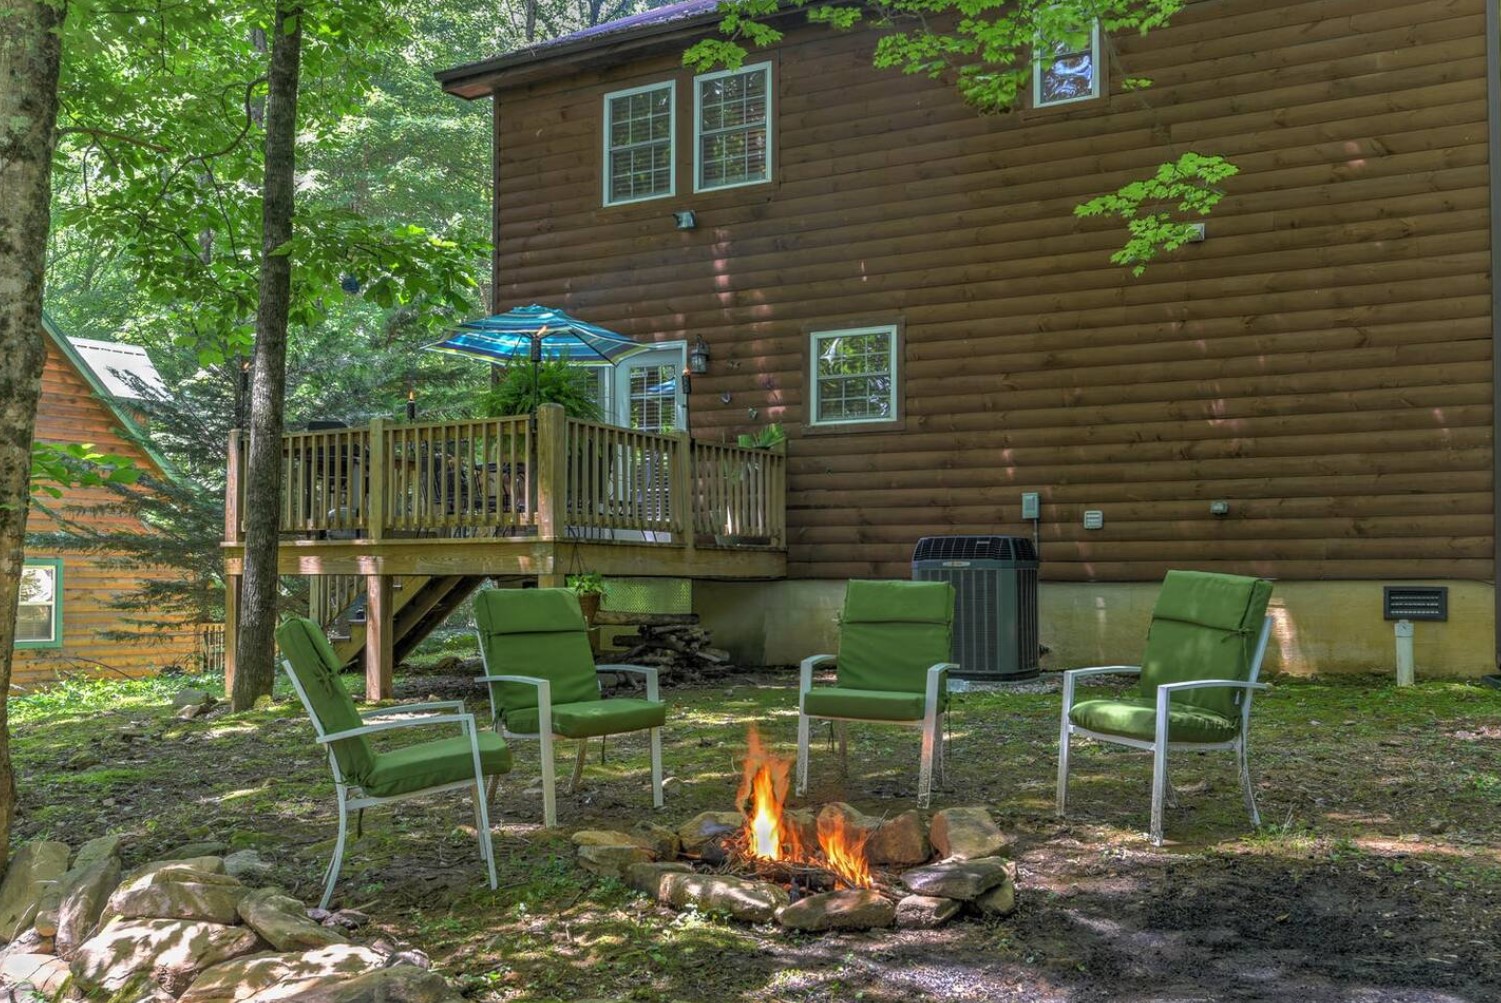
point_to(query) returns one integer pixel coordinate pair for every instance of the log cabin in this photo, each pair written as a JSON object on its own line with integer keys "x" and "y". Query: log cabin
{"x": 65, "y": 618}
{"x": 1306, "y": 394}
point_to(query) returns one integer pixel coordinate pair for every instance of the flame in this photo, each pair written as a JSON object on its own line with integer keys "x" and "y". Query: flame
{"x": 843, "y": 850}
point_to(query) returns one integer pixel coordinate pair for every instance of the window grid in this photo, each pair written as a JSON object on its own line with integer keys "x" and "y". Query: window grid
{"x": 1065, "y": 73}
{"x": 854, "y": 376}
{"x": 734, "y": 117}
{"x": 39, "y": 606}
{"x": 652, "y": 396}
{"x": 638, "y": 137}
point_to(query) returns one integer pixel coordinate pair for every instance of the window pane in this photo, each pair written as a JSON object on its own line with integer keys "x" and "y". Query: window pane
{"x": 1068, "y": 78}
{"x": 652, "y": 394}
{"x": 854, "y": 381}
{"x": 733, "y": 129}
{"x": 38, "y": 598}
{"x": 639, "y": 159}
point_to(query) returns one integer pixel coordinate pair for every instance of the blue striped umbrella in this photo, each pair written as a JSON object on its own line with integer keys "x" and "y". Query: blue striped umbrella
{"x": 534, "y": 333}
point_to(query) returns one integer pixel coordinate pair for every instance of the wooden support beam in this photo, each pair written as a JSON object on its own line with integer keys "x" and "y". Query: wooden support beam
{"x": 231, "y": 629}
{"x": 379, "y": 637}
{"x": 232, "y": 490}
{"x": 552, "y": 471}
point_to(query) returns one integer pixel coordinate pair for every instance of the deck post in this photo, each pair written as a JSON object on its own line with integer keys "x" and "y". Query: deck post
{"x": 231, "y": 629}
{"x": 552, "y": 471}
{"x": 379, "y": 673}
{"x": 375, "y": 514}
{"x": 232, "y": 490}
{"x": 681, "y": 499}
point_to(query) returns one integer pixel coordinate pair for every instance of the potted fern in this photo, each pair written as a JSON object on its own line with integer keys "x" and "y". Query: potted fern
{"x": 589, "y": 587}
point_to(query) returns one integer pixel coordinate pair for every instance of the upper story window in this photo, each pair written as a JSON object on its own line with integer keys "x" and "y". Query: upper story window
{"x": 732, "y": 127}
{"x": 39, "y": 609}
{"x": 854, "y": 376}
{"x": 1067, "y": 70}
{"x": 638, "y": 144}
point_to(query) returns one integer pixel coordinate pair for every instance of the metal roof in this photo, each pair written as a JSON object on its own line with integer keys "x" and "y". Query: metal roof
{"x": 115, "y": 364}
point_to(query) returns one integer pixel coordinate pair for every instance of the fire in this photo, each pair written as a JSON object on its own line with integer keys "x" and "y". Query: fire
{"x": 762, "y": 797}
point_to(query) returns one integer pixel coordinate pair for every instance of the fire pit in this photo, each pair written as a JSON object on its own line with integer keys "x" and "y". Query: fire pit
{"x": 839, "y": 869}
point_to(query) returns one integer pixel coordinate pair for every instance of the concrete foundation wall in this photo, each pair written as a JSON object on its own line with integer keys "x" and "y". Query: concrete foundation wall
{"x": 1320, "y": 628}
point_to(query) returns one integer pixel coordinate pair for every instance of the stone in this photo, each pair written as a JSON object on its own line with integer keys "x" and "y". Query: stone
{"x": 95, "y": 850}
{"x": 747, "y": 901}
{"x": 902, "y": 840}
{"x": 410, "y": 956}
{"x": 601, "y": 837}
{"x": 647, "y": 877}
{"x": 612, "y": 861}
{"x": 348, "y": 919}
{"x": 925, "y": 912}
{"x": 190, "y": 711}
{"x": 266, "y": 977}
{"x": 660, "y": 840}
{"x": 82, "y": 901}
{"x": 957, "y": 879}
{"x": 397, "y": 984}
{"x": 28, "y": 942}
{"x": 708, "y": 827}
{"x": 45, "y": 921}
{"x": 171, "y": 952}
{"x": 190, "y": 697}
{"x": 1000, "y": 900}
{"x": 177, "y": 893}
{"x": 284, "y": 924}
{"x": 45, "y": 973}
{"x": 246, "y": 864}
{"x": 190, "y": 851}
{"x": 852, "y": 909}
{"x": 968, "y": 834}
{"x": 800, "y": 829}
{"x": 26, "y": 878}
{"x": 855, "y": 823}
{"x": 264, "y": 702}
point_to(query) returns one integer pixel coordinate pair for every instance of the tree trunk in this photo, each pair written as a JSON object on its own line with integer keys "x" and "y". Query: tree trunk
{"x": 255, "y": 653}
{"x": 29, "y": 52}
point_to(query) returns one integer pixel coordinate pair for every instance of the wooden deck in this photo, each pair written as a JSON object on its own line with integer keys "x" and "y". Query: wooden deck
{"x": 406, "y": 520}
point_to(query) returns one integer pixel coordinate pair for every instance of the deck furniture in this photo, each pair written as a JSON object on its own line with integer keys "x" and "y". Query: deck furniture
{"x": 364, "y": 777}
{"x": 543, "y": 683}
{"x": 1196, "y": 680}
{"x": 895, "y": 640}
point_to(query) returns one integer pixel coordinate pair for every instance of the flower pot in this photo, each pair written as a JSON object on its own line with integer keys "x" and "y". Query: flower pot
{"x": 589, "y": 603}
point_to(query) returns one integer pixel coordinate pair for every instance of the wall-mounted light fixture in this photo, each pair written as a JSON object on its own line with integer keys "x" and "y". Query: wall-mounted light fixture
{"x": 698, "y": 357}
{"x": 687, "y": 378}
{"x": 685, "y": 219}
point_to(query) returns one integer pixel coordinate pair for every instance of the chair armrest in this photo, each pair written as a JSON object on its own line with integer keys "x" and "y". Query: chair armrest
{"x": 1069, "y": 675}
{"x": 544, "y": 696}
{"x": 936, "y": 674}
{"x": 465, "y": 721}
{"x": 648, "y": 671}
{"x": 456, "y": 706}
{"x": 1202, "y": 684}
{"x": 805, "y": 674}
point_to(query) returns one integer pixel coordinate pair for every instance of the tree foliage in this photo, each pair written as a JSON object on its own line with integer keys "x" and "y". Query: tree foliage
{"x": 1154, "y": 209}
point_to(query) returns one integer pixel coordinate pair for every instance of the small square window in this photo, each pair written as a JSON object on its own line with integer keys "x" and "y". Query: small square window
{"x": 732, "y": 127}
{"x": 853, "y": 376}
{"x": 1067, "y": 70}
{"x": 638, "y": 144}
{"x": 39, "y": 606}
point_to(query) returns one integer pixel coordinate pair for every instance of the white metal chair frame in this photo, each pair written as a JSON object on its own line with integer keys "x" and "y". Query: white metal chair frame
{"x": 546, "y": 736}
{"x": 1160, "y": 746}
{"x": 931, "y": 724}
{"x": 360, "y": 801}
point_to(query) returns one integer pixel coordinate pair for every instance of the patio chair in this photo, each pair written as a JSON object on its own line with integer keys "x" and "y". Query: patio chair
{"x": 1198, "y": 674}
{"x": 364, "y": 777}
{"x": 895, "y": 642}
{"x": 539, "y": 669}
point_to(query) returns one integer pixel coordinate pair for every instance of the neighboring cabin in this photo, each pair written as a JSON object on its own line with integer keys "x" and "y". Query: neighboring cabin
{"x": 65, "y": 596}
{"x": 902, "y": 284}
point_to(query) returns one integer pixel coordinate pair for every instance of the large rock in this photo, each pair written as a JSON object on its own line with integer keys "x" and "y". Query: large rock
{"x": 708, "y": 827}
{"x": 189, "y": 697}
{"x": 96, "y": 850}
{"x": 660, "y": 840}
{"x": 397, "y": 984}
{"x": 283, "y": 922}
{"x": 747, "y": 901}
{"x": 268, "y": 977}
{"x": 246, "y": 864}
{"x": 83, "y": 901}
{"x": 612, "y": 861}
{"x": 968, "y": 834}
{"x": 178, "y": 893}
{"x": 171, "y": 952}
{"x": 1000, "y": 900}
{"x": 856, "y": 909}
{"x": 602, "y": 837}
{"x": 192, "y": 851}
{"x": 647, "y": 878}
{"x": 32, "y": 868}
{"x": 902, "y": 840}
{"x": 800, "y": 830}
{"x": 45, "y": 973}
{"x": 957, "y": 879}
{"x": 198, "y": 865}
{"x": 924, "y": 912}
{"x": 854, "y": 823}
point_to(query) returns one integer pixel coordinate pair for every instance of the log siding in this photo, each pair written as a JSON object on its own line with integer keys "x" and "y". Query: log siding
{"x": 1323, "y": 361}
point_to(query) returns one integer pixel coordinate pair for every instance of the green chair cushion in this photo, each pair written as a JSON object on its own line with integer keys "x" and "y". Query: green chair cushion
{"x": 432, "y": 764}
{"x": 867, "y": 705}
{"x": 535, "y": 632}
{"x": 316, "y": 667}
{"x": 1204, "y": 626}
{"x": 592, "y": 717}
{"x": 892, "y": 633}
{"x": 1136, "y": 717}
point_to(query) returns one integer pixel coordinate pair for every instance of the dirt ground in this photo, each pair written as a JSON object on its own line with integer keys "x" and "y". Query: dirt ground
{"x": 1375, "y": 879}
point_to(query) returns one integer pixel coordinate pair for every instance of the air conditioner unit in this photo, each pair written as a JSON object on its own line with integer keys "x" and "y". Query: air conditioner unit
{"x": 995, "y": 601}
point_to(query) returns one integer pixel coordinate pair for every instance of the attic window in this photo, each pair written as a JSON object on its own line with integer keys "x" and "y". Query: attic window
{"x": 39, "y": 609}
{"x": 1067, "y": 69}
{"x": 732, "y": 127}
{"x": 638, "y": 144}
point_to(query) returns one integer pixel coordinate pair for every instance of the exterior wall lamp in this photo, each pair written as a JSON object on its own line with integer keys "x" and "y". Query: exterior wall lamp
{"x": 698, "y": 358}
{"x": 685, "y": 219}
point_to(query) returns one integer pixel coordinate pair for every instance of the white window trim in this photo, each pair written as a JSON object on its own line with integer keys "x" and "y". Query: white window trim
{"x": 1094, "y": 83}
{"x": 814, "y": 337}
{"x": 698, "y": 120}
{"x": 56, "y": 640}
{"x": 672, "y": 153}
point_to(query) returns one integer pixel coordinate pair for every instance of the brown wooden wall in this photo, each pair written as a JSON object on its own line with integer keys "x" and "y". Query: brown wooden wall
{"x": 1322, "y": 361}
{"x": 69, "y": 412}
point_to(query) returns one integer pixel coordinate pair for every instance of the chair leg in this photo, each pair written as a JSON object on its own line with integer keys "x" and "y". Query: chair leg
{"x": 493, "y": 786}
{"x": 578, "y": 767}
{"x": 925, "y": 768}
{"x": 1064, "y": 734}
{"x": 338, "y": 858}
{"x": 1244, "y": 755}
{"x": 656, "y": 767}
{"x": 486, "y": 842}
{"x": 843, "y": 731}
{"x": 1172, "y": 794}
{"x": 549, "y": 782}
{"x": 1159, "y": 790}
{"x": 802, "y": 754}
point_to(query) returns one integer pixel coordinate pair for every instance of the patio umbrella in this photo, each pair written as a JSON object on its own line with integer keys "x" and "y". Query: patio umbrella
{"x": 536, "y": 333}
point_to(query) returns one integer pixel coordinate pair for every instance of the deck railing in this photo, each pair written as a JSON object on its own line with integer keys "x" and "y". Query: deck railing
{"x": 498, "y": 477}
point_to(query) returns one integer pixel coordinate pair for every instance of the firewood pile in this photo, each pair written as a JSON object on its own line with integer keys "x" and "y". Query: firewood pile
{"x": 673, "y": 642}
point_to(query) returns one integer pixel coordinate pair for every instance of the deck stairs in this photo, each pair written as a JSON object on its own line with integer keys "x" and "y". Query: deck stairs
{"x": 420, "y": 604}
